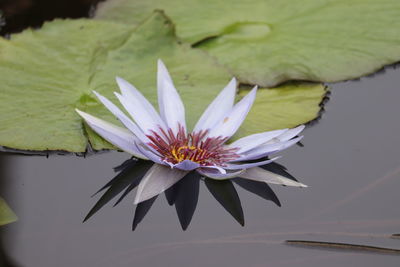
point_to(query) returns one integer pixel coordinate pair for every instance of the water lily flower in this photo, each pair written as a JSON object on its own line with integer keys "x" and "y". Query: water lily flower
{"x": 163, "y": 137}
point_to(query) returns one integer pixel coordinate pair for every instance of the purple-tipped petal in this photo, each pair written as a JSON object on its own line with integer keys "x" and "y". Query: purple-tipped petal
{"x": 232, "y": 121}
{"x": 186, "y": 165}
{"x": 149, "y": 154}
{"x": 231, "y": 166}
{"x": 216, "y": 111}
{"x": 267, "y": 149}
{"x": 291, "y": 133}
{"x": 261, "y": 175}
{"x": 215, "y": 174}
{"x": 253, "y": 141}
{"x": 117, "y": 136}
{"x": 141, "y": 110}
{"x": 158, "y": 179}
{"x": 215, "y": 167}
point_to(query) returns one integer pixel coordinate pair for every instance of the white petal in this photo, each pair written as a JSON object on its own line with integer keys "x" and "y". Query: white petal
{"x": 216, "y": 111}
{"x": 249, "y": 165}
{"x": 172, "y": 106}
{"x": 122, "y": 117}
{"x": 158, "y": 179}
{"x": 138, "y": 107}
{"x": 215, "y": 167}
{"x": 217, "y": 175}
{"x": 261, "y": 175}
{"x": 149, "y": 154}
{"x": 291, "y": 133}
{"x": 232, "y": 121}
{"x": 267, "y": 149}
{"x": 252, "y": 141}
{"x": 186, "y": 165}
{"x": 117, "y": 136}
{"x": 162, "y": 75}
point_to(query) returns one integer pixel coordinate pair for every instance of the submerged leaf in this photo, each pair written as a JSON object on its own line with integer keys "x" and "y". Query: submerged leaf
{"x": 6, "y": 214}
{"x": 266, "y": 42}
{"x": 225, "y": 193}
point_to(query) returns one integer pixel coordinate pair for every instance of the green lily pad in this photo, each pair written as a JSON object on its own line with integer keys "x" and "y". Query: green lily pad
{"x": 48, "y": 73}
{"x": 6, "y": 214}
{"x": 288, "y": 105}
{"x": 267, "y": 42}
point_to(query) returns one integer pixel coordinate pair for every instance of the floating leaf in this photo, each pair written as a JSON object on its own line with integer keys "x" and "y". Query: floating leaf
{"x": 48, "y": 73}
{"x": 225, "y": 193}
{"x": 267, "y": 42}
{"x": 284, "y": 107}
{"x": 6, "y": 214}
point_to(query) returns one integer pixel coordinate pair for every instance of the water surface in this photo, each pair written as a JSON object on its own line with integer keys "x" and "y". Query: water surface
{"x": 350, "y": 162}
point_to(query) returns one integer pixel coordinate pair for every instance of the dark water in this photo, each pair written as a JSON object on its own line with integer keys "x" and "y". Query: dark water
{"x": 20, "y": 14}
{"x": 350, "y": 162}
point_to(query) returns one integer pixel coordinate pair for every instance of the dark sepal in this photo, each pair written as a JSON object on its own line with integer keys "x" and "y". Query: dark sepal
{"x": 225, "y": 193}
{"x": 170, "y": 194}
{"x": 187, "y": 195}
{"x": 259, "y": 188}
{"x": 125, "y": 164}
{"x": 278, "y": 169}
{"x": 141, "y": 210}
{"x": 140, "y": 171}
{"x": 300, "y": 144}
{"x": 126, "y": 177}
{"x": 132, "y": 163}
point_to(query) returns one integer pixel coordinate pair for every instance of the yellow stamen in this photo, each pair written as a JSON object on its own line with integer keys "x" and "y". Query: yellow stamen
{"x": 187, "y": 152}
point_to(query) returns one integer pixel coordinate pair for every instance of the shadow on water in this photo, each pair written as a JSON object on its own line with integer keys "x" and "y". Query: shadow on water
{"x": 184, "y": 194}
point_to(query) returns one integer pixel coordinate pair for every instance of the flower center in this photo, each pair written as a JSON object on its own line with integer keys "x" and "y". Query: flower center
{"x": 196, "y": 147}
{"x": 192, "y": 153}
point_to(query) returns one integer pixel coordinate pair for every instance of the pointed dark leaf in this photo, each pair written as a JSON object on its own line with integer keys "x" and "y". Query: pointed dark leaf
{"x": 119, "y": 183}
{"x": 225, "y": 193}
{"x": 130, "y": 163}
{"x": 141, "y": 210}
{"x": 259, "y": 188}
{"x": 187, "y": 197}
{"x": 278, "y": 169}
